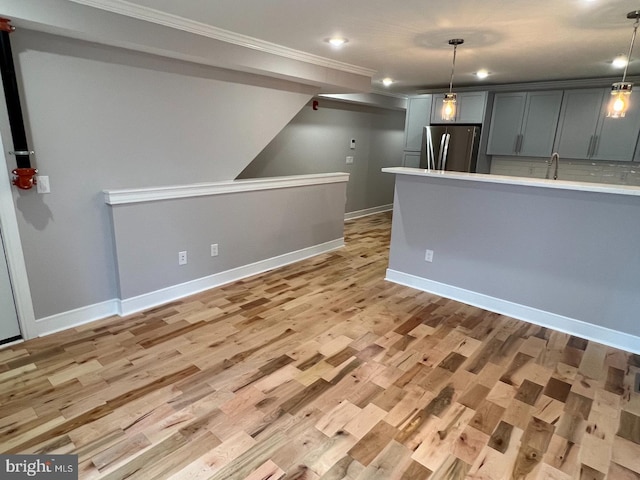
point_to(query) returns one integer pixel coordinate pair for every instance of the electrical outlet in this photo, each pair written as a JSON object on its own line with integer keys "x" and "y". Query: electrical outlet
{"x": 428, "y": 256}
{"x": 182, "y": 258}
{"x": 349, "y": 160}
{"x": 214, "y": 249}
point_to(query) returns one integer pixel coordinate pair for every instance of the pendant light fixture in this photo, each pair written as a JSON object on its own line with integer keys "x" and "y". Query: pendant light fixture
{"x": 621, "y": 91}
{"x": 449, "y": 102}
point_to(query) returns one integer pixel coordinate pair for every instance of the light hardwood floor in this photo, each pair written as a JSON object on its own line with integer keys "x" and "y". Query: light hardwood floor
{"x": 322, "y": 370}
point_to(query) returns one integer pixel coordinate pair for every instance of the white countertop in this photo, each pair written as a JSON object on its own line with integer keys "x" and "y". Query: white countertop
{"x": 524, "y": 181}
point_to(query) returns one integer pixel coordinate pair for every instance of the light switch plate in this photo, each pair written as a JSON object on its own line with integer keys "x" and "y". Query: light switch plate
{"x": 42, "y": 184}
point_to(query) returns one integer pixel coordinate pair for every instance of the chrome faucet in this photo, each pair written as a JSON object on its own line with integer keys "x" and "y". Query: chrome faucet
{"x": 554, "y": 157}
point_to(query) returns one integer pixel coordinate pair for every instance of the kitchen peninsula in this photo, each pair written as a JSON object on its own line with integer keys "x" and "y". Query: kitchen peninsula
{"x": 555, "y": 253}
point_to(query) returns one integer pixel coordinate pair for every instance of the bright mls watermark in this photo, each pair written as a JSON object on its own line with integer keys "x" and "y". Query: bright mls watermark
{"x": 45, "y": 467}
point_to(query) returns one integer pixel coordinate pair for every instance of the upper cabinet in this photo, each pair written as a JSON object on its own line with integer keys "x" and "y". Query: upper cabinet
{"x": 418, "y": 112}
{"x": 578, "y": 122}
{"x": 524, "y": 123}
{"x": 470, "y": 108}
{"x": 585, "y": 132}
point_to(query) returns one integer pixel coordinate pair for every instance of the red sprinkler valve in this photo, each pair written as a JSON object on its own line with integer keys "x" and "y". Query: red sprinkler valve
{"x": 24, "y": 177}
{"x": 4, "y": 25}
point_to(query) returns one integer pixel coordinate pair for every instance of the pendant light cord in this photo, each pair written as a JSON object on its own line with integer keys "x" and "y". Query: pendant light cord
{"x": 453, "y": 67}
{"x": 633, "y": 39}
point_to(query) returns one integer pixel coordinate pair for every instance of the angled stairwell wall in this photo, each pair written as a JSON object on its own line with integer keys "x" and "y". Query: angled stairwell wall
{"x": 101, "y": 117}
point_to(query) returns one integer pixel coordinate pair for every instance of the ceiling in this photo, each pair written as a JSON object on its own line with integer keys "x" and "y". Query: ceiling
{"x": 515, "y": 40}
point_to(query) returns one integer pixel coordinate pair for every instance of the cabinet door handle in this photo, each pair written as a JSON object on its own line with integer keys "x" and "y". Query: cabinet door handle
{"x": 594, "y": 150}
{"x": 590, "y": 146}
{"x": 518, "y": 143}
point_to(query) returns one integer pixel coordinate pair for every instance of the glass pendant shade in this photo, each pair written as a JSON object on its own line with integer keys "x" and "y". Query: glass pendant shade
{"x": 619, "y": 101}
{"x": 449, "y": 107}
{"x": 449, "y": 103}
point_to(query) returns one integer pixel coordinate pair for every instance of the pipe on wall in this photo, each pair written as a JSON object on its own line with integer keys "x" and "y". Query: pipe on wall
{"x": 24, "y": 173}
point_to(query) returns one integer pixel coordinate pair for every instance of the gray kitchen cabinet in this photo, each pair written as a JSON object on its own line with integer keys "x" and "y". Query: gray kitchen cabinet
{"x": 506, "y": 123}
{"x": 411, "y": 159}
{"x": 585, "y": 132}
{"x": 418, "y": 112}
{"x": 524, "y": 123}
{"x": 578, "y": 122}
{"x": 616, "y": 138}
{"x": 470, "y": 108}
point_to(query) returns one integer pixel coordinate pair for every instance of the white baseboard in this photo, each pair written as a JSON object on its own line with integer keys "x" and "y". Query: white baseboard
{"x": 74, "y": 318}
{"x": 98, "y": 311}
{"x": 175, "y": 292}
{"x": 572, "y": 326}
{"x": 368, "y": 211}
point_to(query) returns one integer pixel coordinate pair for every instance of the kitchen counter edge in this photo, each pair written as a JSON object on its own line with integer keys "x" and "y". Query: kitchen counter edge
{"x": 523, "y": 181}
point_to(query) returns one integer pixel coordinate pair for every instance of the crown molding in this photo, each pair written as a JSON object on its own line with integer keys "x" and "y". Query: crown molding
{"x": 532, "y": 86}
{"x": 122, "y": 7}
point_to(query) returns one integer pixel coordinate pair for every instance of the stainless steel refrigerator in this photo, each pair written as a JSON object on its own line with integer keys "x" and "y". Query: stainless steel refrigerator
{"x": 450, "y": 147}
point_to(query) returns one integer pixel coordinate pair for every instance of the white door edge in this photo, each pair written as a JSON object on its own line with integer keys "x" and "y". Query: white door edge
{"x": 11, "y": 234}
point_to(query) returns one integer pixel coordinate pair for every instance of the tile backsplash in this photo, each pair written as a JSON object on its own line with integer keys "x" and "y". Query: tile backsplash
{"x": 619, "y": 173}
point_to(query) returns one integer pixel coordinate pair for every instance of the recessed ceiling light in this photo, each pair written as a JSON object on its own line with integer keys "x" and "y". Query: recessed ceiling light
{"x": 620, "y": 61}
{"x": 387, "y": 81}
{"x": 337, "y": 42}
{"x": 482, "y": 74}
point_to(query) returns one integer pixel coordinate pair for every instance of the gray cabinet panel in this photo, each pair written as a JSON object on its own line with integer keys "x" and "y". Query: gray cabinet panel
{"x": 524, "y": 123}
{"x": 616, "y": 138}
{"x": 540, "y": 123}
{"x": 586, "y": 132}
{"x": 470, "y": 108}
{"x": 411, "y": 159}
{"x": 506, "y": 123}
{"x": 436, "y": 108}
{"x": 418, "y": 113}
{"x": 578, "y": 121}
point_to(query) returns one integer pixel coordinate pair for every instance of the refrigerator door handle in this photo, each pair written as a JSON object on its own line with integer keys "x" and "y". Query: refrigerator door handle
{"x": 471, "y": 151}
{"x": 441, "y": 152}
{"x": 446, "y": 138}
{"x": 430, "y": 159}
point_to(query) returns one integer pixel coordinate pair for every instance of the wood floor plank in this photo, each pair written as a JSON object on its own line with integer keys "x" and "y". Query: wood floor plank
{"x": 344, "y": 469}
{"x": 323, "y": 370}
{"x": 390, "y": 463}
{"x": 435, "y": 445}
{"x": 215, "y": 459}
{"x": 320, "y": 459}
{"x": 373, "y": 442}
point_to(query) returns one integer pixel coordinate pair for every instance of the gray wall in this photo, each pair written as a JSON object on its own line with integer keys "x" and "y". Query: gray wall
{"x": 105, "y": 118}
{"x": 247, "y": 226}
{"x": 317, "y": 141}
{"x": 569, "y": 253}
